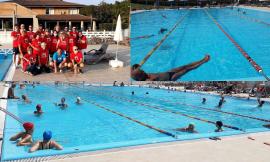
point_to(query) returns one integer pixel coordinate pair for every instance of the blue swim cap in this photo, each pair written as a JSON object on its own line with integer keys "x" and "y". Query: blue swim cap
{"x": 47, "y": 135}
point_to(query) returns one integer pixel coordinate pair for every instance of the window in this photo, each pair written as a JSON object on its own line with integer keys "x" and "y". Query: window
{"x": 51, "y": 11}
{"x": 73, "y": 11}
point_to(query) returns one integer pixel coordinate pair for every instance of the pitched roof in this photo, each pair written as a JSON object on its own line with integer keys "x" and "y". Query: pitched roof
{"x": 64, "y": 17}
{"x": 46, "y": 3}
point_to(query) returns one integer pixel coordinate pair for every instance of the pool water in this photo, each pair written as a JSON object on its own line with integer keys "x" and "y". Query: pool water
{"x": 5, "y": 62}
{"x": 110, "y": 117}
{"x": 198, "y": 35}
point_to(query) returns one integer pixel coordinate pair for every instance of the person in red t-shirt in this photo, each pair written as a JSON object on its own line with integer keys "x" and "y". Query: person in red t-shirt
{"x": 40, "y": 29}
{"x": 82, "y": 42}
{"x": 30, "y": 33}
{"x": 48, "y": 38}
{"x": 43, "y": 58}
{"x": 23, "y": 43}
{"x": 63, "y": 42}
{"x": 76, "y": 58}
{"x": 54, "y": 40}
{"x": 71, "y": 42}
{"x": 15, "y": 36}
{"x": 30, "y": 63}
{"x": 35, "y": 44}
{"x": 43, "y": 38}
{"x": 74, "y": 33}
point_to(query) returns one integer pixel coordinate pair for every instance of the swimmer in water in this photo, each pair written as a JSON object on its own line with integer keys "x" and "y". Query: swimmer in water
{"x": 189, "y": 129}
{"x": 221, "y": 101}
{"x": 203, "y": 100}
{"x": 11, "y": 94}
{"x": 219, "y": 126}
{"x": 172, "y": 75}
{"x": 132, "y": 93}
{"x": 261, "y": 103}
{"x": 25, "y": 99}
{"x": 78, "y": 101}
{"x": 38, "y": 111}
{"x": 162, "y": 30}
{"x": 147, "y": 93}
{"x": 62, "y": 104}
{"x": 47, "y": 143}
{"x": 24, "y": 138}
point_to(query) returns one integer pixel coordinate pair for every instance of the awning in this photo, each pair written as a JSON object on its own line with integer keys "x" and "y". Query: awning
{"x": 64, "y": 17}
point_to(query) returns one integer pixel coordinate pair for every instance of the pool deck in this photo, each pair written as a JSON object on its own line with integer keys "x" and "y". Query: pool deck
{"x": 258, "y": 8}
{"x": 100, "y": 72}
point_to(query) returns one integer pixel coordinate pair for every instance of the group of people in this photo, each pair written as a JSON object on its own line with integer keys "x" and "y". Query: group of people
{"x": 45, "y": 51}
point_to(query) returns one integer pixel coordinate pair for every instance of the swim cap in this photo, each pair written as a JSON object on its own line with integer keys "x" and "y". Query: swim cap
{"x": 38, "y": 106}
{"x": 28, "y": 126}
{"x": 47, "y": 135}
{"x": 78, "y": 98}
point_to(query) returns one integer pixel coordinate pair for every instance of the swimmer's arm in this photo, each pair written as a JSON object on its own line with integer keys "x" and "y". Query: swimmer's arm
{"x": 35, "y": 147}
{"x": 16, "y": 137}
{"x": 56, "y": 145}
{"x": 180, "y": 129}
{"x": 25, "y": 141}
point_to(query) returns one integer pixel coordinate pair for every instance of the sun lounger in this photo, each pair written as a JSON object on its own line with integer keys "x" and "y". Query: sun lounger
{"x": 94, "y": 56}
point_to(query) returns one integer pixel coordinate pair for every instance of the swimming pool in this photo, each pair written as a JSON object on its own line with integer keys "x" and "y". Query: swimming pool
{"x": 198, "y": 35}
{"x": 5, "y": 61}
{"x": 110, "y": 117}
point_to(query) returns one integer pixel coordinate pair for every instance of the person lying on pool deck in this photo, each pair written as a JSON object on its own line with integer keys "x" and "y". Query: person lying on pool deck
{"x": 25, "y": 99}
{"x": 38, "y": 111}
{"x": 59, "y": 60}
{"x": 47, "y": 143}
{"x": 25, "y": 137}
{"x": 219, "y": 126}
{"x": 172, "y": 75}
{"x": 62, "y": 104}
{"x": 11, "y": 94}
{"x": 189, "y": 129}
{"x": 76, "y": 58}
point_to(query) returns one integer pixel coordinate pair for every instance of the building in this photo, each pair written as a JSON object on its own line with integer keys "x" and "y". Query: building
{"x": 49, "y": 13}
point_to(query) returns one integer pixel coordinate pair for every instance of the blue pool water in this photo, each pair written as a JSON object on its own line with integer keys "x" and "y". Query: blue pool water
{"x": 5, "y": 62}
{"x": 198, "y": 35}
{"x": 91, "y": 126}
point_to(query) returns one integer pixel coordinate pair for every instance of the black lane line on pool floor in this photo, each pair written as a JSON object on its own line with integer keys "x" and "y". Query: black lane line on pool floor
{"x": 220, "y": 111}
{"x": 124, "y": 116}
{"x": 250, "y": 18}
{"x": 167, "y": 110}
{"x": 243, "y": 52}
{"x": 163, "y": 39}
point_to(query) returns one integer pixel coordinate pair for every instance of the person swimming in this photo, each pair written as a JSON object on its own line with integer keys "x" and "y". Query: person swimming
{"x": 162, "y": 30}
{"x": 172, "y": 75}
{"x": 219, "y": 126}
{"x": 78, "y": 101}
{"x": 261, "y": 103}
{"x": 62, "y": 104}
{"x": 24, "y": 138}
{"x": 114, "y": 83}
{"x": 38, "y": 111}
{"x": 203, "y": 100}
{"x": 132, "y": 92}
{"x": 25, "y": 99}
{"x": 147, "y": 93}
{"x": 189, "y": 129}
{"x": 122, "y": 84}
{"x": 221, "y": 101}
{"x": 47, "y": 143}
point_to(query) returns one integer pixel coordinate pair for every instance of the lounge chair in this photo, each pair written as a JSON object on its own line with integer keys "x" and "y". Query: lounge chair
{"x": 94, "y": 56}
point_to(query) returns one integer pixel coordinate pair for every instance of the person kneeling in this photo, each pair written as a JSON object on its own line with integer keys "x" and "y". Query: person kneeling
{"x": 59, "y": 60}
{"x": 76, "y": 58}
{"x": 47, "y": 143}
{"x": 30, "y": 63}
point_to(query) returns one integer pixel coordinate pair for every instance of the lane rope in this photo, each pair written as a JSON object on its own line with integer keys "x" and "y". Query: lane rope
{"x": 243, "y": 52}
{"x": 167, "y": 110}
{"x": 162, "y": 40}
{"x": 11, "y": 115}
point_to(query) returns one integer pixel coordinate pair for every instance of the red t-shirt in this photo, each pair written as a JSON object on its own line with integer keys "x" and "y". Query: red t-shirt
{"x": 76, "y": 57}
{"x": 82, "y": 45}
{"x": 48, "y": 41}
{"x": 71, "y": 43}
{"x": 43, "y": 56}
{"x": 73, "y": 34}
{"x": 43, "y": 39}
{"x": 63, "y": 43}
{"x": 15, "y": 36}
{"x": 24, "y": 43}
{"x": 36, "y": 43}
{"x": 32, "y": 58}
{"x": 53, "y": 43}
{"x": 31, "y": 35}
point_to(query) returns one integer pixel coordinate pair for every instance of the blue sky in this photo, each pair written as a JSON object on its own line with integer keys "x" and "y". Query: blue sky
{"x": 87, "y": 2}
